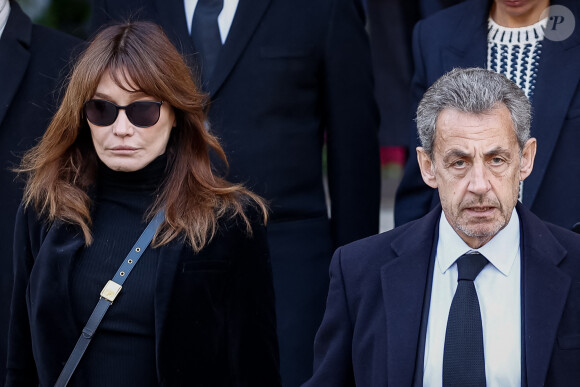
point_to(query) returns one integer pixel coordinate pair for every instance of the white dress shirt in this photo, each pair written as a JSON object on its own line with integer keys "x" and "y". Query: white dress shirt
{"x": 225, "y": 18}
{"x": 498, "y": 290}
{"x": 4, "y": 13}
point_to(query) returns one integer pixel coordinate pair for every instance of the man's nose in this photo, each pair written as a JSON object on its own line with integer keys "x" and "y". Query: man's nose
{"x": 479, "y": 179}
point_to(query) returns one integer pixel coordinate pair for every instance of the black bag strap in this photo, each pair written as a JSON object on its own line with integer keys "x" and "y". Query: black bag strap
{"x": 108, "y": 294}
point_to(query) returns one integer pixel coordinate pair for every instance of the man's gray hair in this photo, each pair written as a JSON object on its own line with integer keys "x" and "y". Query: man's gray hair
{"x": 472, "y": 90}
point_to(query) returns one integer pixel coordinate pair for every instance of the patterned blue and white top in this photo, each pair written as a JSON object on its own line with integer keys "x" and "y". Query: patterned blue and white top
{"x": 515, "y": 53}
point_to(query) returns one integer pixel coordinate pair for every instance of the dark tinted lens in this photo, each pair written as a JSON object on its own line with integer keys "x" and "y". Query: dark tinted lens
{"x": 143, "y": 113}
{"x": 100, "y": 112}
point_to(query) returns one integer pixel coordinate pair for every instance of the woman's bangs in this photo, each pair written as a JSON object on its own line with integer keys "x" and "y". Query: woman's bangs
{"x": 130, "y": 77}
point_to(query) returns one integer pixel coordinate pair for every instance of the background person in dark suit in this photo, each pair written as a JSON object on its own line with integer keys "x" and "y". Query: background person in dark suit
{"x": 465, "y": 36}
{"x": 390, "y": 29}
{"x": 32, "y": 67}
{"x": 288, "y": 74}
{"x": 386, "y": 320}
{"x": 390, "y": 25}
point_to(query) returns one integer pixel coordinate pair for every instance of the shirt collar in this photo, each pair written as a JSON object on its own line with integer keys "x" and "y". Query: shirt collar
{"x": 501, "y": 250}
{"x": 4, "y": 13}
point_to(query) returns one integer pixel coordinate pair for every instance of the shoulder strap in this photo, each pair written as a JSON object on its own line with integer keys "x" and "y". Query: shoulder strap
{"x": 108, "y": 295}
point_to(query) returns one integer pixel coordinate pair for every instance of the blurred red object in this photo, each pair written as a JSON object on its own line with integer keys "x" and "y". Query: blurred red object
{"x": 393, "y": 154}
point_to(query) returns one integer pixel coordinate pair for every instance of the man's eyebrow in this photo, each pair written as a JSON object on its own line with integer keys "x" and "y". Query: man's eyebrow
{"x": 455, "y": 153}
{"x": 497, "y": 151}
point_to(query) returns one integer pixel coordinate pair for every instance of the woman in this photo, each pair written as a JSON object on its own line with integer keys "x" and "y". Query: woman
{"x": 128, "y": 141}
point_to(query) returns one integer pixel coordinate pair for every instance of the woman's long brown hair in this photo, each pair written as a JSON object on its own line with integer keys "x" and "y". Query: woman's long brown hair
{"x": 61, "y": 169}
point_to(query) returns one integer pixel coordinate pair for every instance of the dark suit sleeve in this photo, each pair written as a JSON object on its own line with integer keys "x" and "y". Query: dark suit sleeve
{"x": 253, "y": 349}
{"x": 414, "y": 198}
{"x": 21, "y": 370}
{"x": 352, "y": 125}
{"x": 333, "y": 343}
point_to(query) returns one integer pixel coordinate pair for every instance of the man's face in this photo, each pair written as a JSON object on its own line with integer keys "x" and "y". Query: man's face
{"x": 477, "y": 168}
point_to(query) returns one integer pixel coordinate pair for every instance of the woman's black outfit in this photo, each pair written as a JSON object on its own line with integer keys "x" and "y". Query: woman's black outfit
{"x": 182, "y": 319}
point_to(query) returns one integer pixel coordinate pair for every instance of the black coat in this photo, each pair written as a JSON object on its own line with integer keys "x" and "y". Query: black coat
{"x": 289, "y": 72}
{"x": 214, "y": 310}
{"x": 33, "y": 62}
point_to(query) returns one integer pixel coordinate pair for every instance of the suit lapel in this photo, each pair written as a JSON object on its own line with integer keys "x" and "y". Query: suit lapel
{"x": 555, "y": 88}
{"x": 14, "y": 56}
{"x": 469, "y": 49}
{"x": 247, "y": 17}
{"x": 51, "y": 277}
{"x": 545, "y": 289}
{"x": 403, "y": 283}
{"x": 171, "y": 16}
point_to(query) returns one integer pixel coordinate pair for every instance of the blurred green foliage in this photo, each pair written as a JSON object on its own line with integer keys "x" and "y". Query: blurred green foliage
{"x": 69, "y": 16}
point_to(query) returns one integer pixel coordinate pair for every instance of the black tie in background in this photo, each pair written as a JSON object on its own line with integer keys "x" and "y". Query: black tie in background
{"x": 463, "y": 359}
{"x": 206, "y": 34}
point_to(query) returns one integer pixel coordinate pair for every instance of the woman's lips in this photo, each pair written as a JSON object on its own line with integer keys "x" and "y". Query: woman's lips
{"x": 514, "y": 3}
{"x": 123, "y": 149}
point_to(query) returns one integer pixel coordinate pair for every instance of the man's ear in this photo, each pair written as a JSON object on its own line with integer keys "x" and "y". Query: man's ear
{"x": 427, "y": 167}
{"x": 527, "y": 159}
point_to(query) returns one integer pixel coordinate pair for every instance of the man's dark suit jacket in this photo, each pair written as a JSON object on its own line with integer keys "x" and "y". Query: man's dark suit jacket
{"x": 33, "y": 61}
{"x": 215, "y": 323}
{"x": 291, "y": 72}
{"x": 370, "y": 332}
{"x": 457, "y": 37}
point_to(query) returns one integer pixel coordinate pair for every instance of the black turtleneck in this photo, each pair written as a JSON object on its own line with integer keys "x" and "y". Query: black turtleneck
{"x": 122, "y": 353}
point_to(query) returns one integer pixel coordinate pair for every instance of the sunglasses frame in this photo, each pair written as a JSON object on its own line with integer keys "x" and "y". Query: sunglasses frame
{"x": 118, "y": 107}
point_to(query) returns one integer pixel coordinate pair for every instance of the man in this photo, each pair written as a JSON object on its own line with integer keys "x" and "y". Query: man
{"x": 391, "y": 310}
{"x": 287, "y": 74}
{"x": 508, "y": 37}
{"x": 33, "y": 61}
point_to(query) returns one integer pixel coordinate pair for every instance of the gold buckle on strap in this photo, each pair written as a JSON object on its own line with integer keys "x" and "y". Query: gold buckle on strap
{"x": 110, "y": 291}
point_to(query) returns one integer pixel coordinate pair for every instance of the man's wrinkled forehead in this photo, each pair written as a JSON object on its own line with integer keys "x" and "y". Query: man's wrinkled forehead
{"x": 456, "y": 129}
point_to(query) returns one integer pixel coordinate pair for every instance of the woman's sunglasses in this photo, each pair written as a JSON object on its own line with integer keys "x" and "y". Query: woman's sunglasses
{"x": 140, "y": 113}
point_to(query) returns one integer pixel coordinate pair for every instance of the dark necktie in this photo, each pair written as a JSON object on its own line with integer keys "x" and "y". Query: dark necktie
{"x": 206, "y": 34}
{"x": 463, "y": 359}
